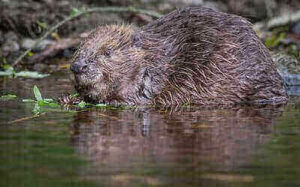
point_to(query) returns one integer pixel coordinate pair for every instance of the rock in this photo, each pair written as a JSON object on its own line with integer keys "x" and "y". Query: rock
{"x": 53, "y": 68}
{"x": 289, "y": 68}
{"x": 40, "y": 67}
{"x": 10, "y": 44}
{"x": 287, "y": 63}
{"x": 295, "y": 28}
{"x": 293, "y": 90}
{"x": 9, "y": 47}
{"x": 28, "y": 43}
{"x": 11, "y": 36}
{"x": 43, "y": 45}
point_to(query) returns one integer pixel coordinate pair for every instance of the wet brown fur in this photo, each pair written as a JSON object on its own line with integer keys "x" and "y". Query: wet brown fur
{"x": 191, "y": 55}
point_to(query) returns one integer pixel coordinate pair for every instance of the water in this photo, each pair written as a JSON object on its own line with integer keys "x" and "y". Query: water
{"x": 243, "y": 146}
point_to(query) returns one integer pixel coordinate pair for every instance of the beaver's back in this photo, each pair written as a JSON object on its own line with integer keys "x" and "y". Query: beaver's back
{"x": 211, "y": 58}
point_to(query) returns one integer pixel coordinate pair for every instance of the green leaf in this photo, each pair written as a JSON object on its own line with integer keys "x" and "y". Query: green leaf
{"x": 44, "y": 25}
{"x": 7, "y": 97}
{"x": 48, "y": 100}
{"x": 36, "y": 110}
{"x": 8, "y": 72}
{"x": 42, "y": 103}
{"x": 82, "y": 104}
{"x": 75, "y": 11}
{"x": 293, "y": 50}
{"x": 7, "y": 67}
{"x": 53, "y": 105}
{"x": 37, "y": 93}
{"x": 30, "y": 54}
{"x": 75, "y": 95}
{"x": 100, "y": 105}
{"x": 4, "y": 61}
{"x": 30, "y": 74}
{"x": 125, "y": 107}
{"x": 5, "y": 73}
{"x": 28, "y": 100}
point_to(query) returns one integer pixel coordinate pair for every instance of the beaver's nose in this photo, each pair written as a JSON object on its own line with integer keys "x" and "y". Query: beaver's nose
{"x": 78, "y": 67}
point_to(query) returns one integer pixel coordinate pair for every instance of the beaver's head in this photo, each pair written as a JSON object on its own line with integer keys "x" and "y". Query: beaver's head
{"x": 103, "y": 62}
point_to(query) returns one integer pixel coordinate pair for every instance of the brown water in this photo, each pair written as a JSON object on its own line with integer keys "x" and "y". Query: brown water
{"x": 243, "y": 146}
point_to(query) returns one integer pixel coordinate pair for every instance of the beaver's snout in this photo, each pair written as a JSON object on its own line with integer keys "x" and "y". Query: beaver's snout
{"x": 79, "y": 67}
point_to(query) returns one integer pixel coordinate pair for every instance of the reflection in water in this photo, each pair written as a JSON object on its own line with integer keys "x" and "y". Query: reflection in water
{"x": 230, "y": 147}
{"x": 222, "y": 140}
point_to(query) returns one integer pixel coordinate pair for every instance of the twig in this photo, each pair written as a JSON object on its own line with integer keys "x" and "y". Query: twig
{"x": 77, "y": 14}
{"x": 26, "y": 118}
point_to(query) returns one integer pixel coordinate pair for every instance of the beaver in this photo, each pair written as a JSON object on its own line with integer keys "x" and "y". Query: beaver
{"x": 192, "y": 55}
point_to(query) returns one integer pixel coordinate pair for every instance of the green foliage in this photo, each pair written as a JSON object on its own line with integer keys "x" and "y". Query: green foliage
{"x": 274, "y": 41}
{"x": 4, "y": 65}
{"x": 100, "y": 105}
{"x": 30, "y": 74}
{"x": 36, "y": 110}
{"x": 293, "y": 50}
{"x": 279, "y": 34}
{"x": 82, "y": 104}
{"x": 7, "y": 97}
{"x": 9, "y": 71}
{"x": 75, "y": 95}
{"x": 4, "y": 61}
{"x": 30, "y": 54}
{"x": 28, "y": 100}
{"x": 43, "y": 25}
{"x": 39, "y": 101}
{"x": 37, "y": 93}
{"x": 75, "y": 12}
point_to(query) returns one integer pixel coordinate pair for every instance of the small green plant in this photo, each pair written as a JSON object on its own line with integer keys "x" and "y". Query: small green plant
{"x": 42, "y": 24}
{"x": 82, "y": 104}
{"x": 39, "y": 101}
{"x": 293, "y": 50}
{"x": 4, "y": 65}
{"x": 275, "y": 40}
{"x": 75, "y": 12}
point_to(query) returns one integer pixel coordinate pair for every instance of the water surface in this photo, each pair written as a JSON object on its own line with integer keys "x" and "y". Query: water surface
{"x": 243, "y": 146}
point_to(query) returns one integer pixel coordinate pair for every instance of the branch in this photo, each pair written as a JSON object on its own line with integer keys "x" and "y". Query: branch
{"x": 26, "y": 118}
{"x": 82, "y": 12}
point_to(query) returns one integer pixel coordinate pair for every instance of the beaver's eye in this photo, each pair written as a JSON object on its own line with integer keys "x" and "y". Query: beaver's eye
{"x": 107, "y": 52}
